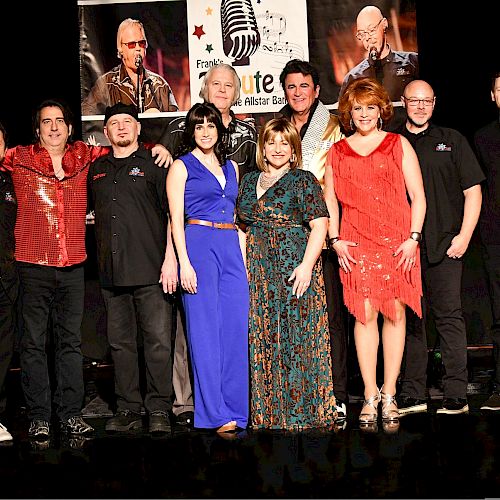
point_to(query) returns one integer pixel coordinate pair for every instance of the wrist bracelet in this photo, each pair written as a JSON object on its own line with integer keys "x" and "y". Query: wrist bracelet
{"x": 332, "y": 241}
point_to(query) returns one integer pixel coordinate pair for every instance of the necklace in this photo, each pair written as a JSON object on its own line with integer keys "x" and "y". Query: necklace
{"x": 57, "y": 173}
{"x": 266, "y": 181}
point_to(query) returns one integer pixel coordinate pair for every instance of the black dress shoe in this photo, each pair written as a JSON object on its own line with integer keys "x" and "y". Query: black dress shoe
{"x": 185, "y": 419}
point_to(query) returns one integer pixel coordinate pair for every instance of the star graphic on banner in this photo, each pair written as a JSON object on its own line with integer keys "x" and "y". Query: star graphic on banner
{"x": 198, "y": 31}
{"x": 209, "y": 48}
{"x": 209, "y": 11}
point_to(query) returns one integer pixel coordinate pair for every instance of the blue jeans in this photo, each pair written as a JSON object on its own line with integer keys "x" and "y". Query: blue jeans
{"x": 52, "y": 295}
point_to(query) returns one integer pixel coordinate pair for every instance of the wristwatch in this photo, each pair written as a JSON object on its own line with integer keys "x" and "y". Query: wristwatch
{"x": 416, "y": 236}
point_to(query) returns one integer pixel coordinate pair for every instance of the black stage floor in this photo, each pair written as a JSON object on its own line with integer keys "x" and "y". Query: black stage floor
{"x": 428, "y": 456}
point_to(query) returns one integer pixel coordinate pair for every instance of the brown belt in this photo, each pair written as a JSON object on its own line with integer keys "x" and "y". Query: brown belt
{"x": 217, "y": 225}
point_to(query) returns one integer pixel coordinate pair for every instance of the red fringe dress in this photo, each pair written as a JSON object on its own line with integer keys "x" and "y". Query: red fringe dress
{"x": 376, "y": 215}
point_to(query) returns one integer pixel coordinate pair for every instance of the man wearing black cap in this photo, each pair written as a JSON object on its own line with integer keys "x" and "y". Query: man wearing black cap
{"x": 136, "y": 264}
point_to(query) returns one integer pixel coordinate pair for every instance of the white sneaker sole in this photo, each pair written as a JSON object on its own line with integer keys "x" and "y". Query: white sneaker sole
{"x": 413, "y": 409}
{"x": 445, "y": 411}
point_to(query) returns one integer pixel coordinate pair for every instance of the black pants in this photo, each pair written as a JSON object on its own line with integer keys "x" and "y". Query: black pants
{"x": 491, "y": 256}
{"x": 442, "y": 285}
{"x": 145, "y": 309}
{"x": 9, "y": 288}
{"x": 337, "y": 322}
{"x": 56, "y": 295}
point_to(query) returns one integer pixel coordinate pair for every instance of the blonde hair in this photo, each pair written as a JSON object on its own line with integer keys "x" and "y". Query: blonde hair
{"x": 121, "y": 28}
{"x": 287, "y": 129}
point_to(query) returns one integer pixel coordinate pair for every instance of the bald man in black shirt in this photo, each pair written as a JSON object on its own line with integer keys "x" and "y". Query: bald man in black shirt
{"x": 452, "y": 182}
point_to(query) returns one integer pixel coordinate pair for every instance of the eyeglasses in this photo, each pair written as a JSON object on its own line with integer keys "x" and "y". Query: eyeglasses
{"x": 131, "y": 45}
{"x": 414, "y": 102}
{"x": 361, "y": 35}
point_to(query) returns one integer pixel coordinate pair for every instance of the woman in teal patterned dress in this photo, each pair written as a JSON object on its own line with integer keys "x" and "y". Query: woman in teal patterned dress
{"x": 285, "y": 215}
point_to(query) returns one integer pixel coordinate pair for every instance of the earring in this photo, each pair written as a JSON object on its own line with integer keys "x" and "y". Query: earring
{"x": 292, "y": 158}
{"x": 380, "y": 123}
{"x": 351, "y": 123}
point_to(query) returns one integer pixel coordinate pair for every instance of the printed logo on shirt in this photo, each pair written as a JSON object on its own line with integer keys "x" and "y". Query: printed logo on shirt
{"x": 443, "y": 147}
{"x": 402, "y": 72}
{"x": 98, "y": 176}
{"x": 325, "y": 145}
{"x": 136, "y": 172}
{"x": 9, "y": 197}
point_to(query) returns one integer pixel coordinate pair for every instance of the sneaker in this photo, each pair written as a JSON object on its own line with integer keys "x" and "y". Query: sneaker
{"x": 159, "y": 422}
{"x": 186, "y": 419}
{"x": 5, "y": 435}
{"x": 408, "y": 406}
{"x": 454, "y": 406}
{"x": 76, "y": 425}
{"x": 492, "y": 403}
{"x": 39, "y": 429}
{"x": 341, "y": 410}
{"x": 123, "y": 421}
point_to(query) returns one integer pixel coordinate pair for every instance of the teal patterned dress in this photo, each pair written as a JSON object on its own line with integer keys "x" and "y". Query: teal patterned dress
{"x": 290, "y": 363}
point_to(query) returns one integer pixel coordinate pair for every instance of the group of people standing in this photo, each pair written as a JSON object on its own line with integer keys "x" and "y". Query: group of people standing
{"x": 248, "y": 247}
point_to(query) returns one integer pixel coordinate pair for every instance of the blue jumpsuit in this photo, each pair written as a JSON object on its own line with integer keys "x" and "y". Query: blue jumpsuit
{"x": 217, "y": 315}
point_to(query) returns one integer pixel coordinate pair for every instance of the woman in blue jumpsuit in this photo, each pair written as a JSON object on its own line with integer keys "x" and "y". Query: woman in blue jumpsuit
{"x": 202, "y": 188}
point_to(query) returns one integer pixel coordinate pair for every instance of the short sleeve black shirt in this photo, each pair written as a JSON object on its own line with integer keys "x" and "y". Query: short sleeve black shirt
{"x": 449, "y": 167}
{"x": 129, "y": 198}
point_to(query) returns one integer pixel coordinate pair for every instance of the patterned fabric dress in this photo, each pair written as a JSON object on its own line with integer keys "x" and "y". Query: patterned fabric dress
{"x": 376, "y": 215}
{"x": 290, "y": 364}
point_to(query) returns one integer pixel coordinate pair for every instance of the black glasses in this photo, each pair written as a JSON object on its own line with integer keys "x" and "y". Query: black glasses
{"x": 414, "y": 102}
{"x": 361, "y": 35}
{"x": 131, "y": 45}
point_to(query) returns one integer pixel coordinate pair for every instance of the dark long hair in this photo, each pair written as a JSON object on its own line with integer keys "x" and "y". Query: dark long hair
{"x": 195, "y": 116}
{"x": 49, "y": 103}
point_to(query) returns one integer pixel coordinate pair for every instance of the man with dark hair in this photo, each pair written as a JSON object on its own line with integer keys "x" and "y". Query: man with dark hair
{"x": 50, "y": 184}
{"x": 135, "y": 259}
{"x": 319, "y": 129}
{"x": 487, "y": 143}
{"x": 9, "y": 281}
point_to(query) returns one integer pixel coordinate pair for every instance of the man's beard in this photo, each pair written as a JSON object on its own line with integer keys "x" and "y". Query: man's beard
{"x": 123, "y": 143}
{"x": 418, "y": 125}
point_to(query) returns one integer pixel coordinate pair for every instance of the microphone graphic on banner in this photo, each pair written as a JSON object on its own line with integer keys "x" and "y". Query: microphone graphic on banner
{"x": 373, "y": 54}
{"x": 138, "y": 60}
{"x": 240, "y": 34}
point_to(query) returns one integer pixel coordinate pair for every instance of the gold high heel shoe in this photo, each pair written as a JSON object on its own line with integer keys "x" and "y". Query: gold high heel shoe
{"x": 389, "y": 414}
{"x": 228, "y": 427}
{"x": 370, "y": 418}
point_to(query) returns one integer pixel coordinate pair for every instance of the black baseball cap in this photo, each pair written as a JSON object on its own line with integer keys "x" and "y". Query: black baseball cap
{"x": 118, "y": 109}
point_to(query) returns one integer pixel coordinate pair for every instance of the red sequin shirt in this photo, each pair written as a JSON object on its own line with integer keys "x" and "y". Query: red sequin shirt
{"x": 50, "y": 225}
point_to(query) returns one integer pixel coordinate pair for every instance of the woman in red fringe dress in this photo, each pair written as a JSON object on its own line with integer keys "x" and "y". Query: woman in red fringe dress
{"x": 376, "y": 178}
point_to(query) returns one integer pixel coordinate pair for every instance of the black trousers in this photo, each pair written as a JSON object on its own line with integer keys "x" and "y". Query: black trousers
{"x": 491, "y": 257}
{"x": 337, "y": 322}
{"x": 9, "y": 289}
{"x": 442, "y": 285}
{"x": 144, "y": 309}
{"x": 52, "y": 295}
